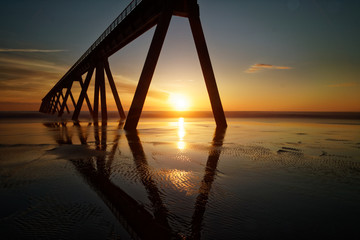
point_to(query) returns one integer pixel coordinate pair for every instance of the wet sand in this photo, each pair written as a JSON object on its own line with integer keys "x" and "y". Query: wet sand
{"x": 180, "y": 178}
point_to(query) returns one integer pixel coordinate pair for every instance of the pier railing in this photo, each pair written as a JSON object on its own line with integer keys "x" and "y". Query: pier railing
{"x": 138, "y": 17}
{"x": 112, "y": 26}
{"x": 108, "y": 30}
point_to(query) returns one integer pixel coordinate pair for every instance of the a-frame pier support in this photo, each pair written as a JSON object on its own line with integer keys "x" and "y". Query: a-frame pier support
{"x": 83, "y": 93}
{"x": 152, "y": 59}
{"x": 136, "y": 19}
{"x": 207, "y": 70}
{"x": 68, "y": 91}
{"x": 102, "y": 67}
{"x": 86, "y": 98}
{"x": 114, "y": 91}
{"x": 100, "y": 88}
{"x": 148, "y": 71}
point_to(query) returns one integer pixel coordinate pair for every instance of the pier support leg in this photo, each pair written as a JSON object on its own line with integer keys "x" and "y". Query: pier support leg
{"x": 96, "y": 98}
{"x": 148, "y": 71}
{"x": 75, "y": 116}
{"x": 72, "y": 100}
{"x": 100, "y": 88}
{"x": 207, "y": 70}
{"x": 102, "y": 93}
{"x": 56, "y": 102}
{"x": 49, "y": 108}
{"x": 68, "y": 91}
{"x": 114, "y": 91}
{"x": 86, "y": 98}
{"x": 57, "y": 108}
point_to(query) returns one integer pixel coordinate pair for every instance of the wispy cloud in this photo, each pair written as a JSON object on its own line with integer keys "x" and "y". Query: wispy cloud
{"x": 31, "y": 50}
{"x": 339, "y": 85}
{"x": 261, "y": 66}
{"x": 21, "y": 70}
{"x": 36, "y": 65}
{"x": 25, "y": 79}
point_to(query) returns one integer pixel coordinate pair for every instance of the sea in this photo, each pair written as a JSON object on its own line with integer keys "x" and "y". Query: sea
{"x": 268, "y": 175}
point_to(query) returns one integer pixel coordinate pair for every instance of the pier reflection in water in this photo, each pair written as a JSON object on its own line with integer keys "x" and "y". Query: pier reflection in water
{"x": 175, "y": 178}
{"x": 156, "y": 221}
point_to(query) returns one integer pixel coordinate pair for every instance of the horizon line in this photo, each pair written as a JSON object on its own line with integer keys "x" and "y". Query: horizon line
{"x": 198, "y": 114}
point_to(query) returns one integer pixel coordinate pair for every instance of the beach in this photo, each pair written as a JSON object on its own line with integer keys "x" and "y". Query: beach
{"x": 180, "y": 178}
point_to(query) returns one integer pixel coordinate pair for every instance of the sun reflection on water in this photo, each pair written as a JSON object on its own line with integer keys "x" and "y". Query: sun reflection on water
{"x": 183, "y": 181}
{"x": 181, "y": 144}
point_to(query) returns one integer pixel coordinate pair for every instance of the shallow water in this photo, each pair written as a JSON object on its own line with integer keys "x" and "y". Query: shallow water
{"x": 180, "y": 178}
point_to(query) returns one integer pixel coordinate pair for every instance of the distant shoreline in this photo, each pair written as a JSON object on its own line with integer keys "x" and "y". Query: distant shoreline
{"x": 195, "y": 114}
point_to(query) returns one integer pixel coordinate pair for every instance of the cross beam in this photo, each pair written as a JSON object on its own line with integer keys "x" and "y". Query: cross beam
{"x": 136, "y": 19}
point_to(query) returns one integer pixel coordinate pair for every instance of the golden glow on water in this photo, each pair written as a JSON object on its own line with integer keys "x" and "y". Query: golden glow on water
{"x": 182, "y": 180}
{"x": 217, "y": 169}
{"x": 181, "y": 144}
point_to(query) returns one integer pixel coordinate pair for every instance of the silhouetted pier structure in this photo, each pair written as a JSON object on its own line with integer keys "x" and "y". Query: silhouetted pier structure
{"x": 138, "y": 17}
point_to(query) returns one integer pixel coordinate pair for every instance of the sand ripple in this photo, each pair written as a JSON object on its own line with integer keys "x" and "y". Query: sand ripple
{"x": 48, "y": 218}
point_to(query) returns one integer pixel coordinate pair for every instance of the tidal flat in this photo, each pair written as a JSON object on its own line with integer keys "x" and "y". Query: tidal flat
{"x": 180, "y": 178}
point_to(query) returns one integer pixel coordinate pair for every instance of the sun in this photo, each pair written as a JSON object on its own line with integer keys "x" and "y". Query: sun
{"x": 179, "y": 102}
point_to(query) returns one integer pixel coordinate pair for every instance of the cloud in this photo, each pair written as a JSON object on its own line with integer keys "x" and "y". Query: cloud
{"x": 32, "y": 50}
{"x": 13, "y": 64}
{"x": 23, "y": 69}
{"x": 348, "y": 84}
{"x": 261, "y": 66}
{"x": 25, "y": 79}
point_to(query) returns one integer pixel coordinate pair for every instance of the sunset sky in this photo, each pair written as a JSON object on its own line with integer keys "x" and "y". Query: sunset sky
{"x": 281, "y": 55}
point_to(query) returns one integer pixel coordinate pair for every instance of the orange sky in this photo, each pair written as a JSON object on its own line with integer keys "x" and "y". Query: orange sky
{"x": 303, "y": 58}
